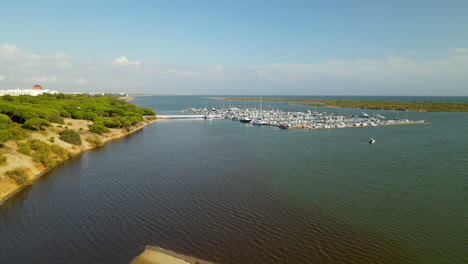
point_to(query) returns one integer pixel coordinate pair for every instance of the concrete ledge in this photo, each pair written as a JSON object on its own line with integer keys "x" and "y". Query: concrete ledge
{"x": 158, "y": 255}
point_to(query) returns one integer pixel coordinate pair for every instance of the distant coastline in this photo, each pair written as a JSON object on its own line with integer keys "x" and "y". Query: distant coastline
{"x": 364, "y": 104}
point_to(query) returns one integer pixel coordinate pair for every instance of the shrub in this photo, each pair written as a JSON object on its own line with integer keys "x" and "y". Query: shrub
{"x": 58, "y": 150}
{"x": 19, "y": 175}
{"x": 5, "y": 135}
{"x": 52, "y": 139}
{"x": 99, "y": 129}
{"x": 70, "y": 136}
{"x": 39, "y": 146}
{"x": 69, "y": 123}
{"x": 95, "y": 141}
{"x": 17, "y": 132}
{"x": 41, "y": 151}
{"x": 24, "y": 148}
{"x": 81, "y": 129}
{"x": 3, "y": 159}
{"x": 44, "y": 158}
{"x": 77, "y": 114}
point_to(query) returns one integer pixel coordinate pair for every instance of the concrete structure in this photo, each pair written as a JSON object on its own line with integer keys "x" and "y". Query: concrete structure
{"x": 158, "y": 255}
{"x": 35, "y": 91}
{"x": 181, "y": 116}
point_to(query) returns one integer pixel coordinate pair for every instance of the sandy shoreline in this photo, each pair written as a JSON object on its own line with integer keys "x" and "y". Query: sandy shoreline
{"x": 127, "y": 98}
{"x": 34, "y": 170}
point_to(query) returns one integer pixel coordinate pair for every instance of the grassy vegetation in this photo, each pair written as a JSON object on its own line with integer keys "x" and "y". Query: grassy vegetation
{"x": 19, "y": 175}
{"x": 95, "y": 141}
{"x": 24, "y": 148}
{"x": 384, "y": 105}
{"x": 42, "y": 152}
{"x": 3, "y": 159}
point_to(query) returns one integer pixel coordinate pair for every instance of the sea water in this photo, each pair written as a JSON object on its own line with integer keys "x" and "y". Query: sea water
{"x": 231, "y": 192}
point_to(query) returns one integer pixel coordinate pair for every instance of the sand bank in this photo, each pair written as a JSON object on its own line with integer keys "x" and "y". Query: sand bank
{"x": 158, "y": 255}
{"x": 127, "y": 98}
{"x": 34, "y": 170}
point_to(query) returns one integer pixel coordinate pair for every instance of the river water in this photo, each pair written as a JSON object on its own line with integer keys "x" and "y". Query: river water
{"x": 234, "y": 193}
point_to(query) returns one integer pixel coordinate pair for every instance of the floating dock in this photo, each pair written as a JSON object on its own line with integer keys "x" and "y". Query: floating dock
{"x": 181, "y": 116}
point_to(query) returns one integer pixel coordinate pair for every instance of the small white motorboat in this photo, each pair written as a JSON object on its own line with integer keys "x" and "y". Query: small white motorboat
{"x": 371, "y": 141}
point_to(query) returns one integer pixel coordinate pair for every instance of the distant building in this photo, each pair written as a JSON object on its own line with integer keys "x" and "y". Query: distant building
{"x": 36, "y": 90}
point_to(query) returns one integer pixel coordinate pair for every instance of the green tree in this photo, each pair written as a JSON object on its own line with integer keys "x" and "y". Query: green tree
{"x": 8, "y": 97}
{"x": 37, "y": 123}
{"x": 61, "y": 96}
{"x": 148, "y": 111}
{"x": 4, "y": 119}
{"x": 55, "y": 117}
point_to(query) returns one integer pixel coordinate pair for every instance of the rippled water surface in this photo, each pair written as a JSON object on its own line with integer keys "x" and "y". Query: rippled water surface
{"x": 233, "y": 193}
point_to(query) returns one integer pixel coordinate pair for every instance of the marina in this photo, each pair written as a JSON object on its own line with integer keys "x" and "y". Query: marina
{"x": 297, "y": 119}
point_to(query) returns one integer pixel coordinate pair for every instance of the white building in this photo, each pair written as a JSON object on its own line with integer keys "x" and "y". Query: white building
{"x": 36, "y": 90}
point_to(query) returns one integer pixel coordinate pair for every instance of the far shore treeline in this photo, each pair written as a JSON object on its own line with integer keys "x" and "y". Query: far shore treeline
{"x": 18, "y": 113}
{"x": 365, "y": 104}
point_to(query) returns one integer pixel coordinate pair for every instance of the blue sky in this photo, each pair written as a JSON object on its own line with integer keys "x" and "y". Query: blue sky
{"x": 235, "y": 47}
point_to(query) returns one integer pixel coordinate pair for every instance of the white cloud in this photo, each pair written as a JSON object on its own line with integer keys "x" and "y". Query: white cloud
{"x": 44, "y": 79}
{"x": 123, "y": 61}
{"x": 26, "y": 69}
{"x": 392, "y": 68}
{"x": 81, "y": 81}
{"x": 393, "y": 75}
{"x": 459, "y": 50}
{"x": 216, "y": 68}
{"x": 8, "y": 50}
